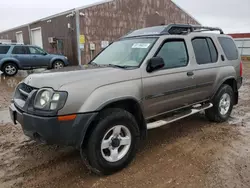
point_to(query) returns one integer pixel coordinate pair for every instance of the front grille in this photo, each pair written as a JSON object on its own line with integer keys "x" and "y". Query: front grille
{"x": 26, "y": 88}
{"x": 23, "y": 91}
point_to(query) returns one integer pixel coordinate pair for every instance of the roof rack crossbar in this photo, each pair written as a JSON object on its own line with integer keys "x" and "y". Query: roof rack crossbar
{"x": 205, "y": 28}
{"x": 185, "y": 28}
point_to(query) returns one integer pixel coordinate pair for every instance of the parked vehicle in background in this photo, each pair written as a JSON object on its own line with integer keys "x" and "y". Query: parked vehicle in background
{"x": 145, "y": 80}
{"x": 22, "y": 57}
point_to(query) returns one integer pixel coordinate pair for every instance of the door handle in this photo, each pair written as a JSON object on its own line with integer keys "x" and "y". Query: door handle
{"x": 222, "y": 58}
{"x": 190, "y": 73}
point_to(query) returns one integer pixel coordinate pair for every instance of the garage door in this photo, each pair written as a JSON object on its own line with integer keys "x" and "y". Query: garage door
{"x": 19, "y": 37}
{"x": 36, "y": 36}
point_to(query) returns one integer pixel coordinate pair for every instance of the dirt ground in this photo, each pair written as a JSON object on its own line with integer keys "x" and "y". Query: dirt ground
{"x": 190, "y": 153}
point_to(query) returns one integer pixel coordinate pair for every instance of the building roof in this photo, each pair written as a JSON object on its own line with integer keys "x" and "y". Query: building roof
{"x": 81, "y": 8}
{"x": 240, "y": 35}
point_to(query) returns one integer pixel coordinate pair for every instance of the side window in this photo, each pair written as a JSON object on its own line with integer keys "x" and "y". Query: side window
{"x": 213, "y": 50}
{"x": 35, "y": 50}
{"x": 201, "y": 50}
{"x": 19, "y": 50}
{"x": 229, "y": 48}
{"x": 4, "y": 49}
{"x": 174, "y": 54}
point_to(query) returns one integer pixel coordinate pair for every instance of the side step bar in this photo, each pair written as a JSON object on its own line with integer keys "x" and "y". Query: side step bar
{"x": 177, "y": 117}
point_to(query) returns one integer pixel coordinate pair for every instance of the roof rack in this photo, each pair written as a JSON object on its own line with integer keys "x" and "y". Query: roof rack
{"x": 3, "y": 43}
{"x": 172, "y": 29}
{"x": 185, "y": 29}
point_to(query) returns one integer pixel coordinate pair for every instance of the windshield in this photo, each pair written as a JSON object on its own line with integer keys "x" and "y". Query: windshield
{"x": 125, "y": 53}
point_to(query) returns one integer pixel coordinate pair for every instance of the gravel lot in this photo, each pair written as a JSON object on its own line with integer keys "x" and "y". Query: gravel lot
{"x": 189, "y": 153}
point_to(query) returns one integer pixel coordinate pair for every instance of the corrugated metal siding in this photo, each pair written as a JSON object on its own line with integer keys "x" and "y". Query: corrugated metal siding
{"x": 240, "y": 35}
{"x": 58, "y": 28}
{"x": 11, "y": 35}
{"x": 109, "y": 21}
{"x": 242, "y": 41}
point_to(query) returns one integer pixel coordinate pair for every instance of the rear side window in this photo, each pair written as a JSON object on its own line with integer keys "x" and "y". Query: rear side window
{"x": 205, "y": 50}
{"x": 229, "y": 48}
{"x": 19, "y": 50}
{"x": 4, "y": 49}
{"x": 213, "y": 51}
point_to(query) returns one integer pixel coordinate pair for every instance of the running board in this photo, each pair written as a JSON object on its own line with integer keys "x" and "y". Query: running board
{"x": 194, "y": 110}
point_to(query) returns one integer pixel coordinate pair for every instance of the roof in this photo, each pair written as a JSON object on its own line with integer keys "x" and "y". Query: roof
{"x": 240, "y": 35}
{"x": 77, "y": 9}
{"x": 56, "y": 15}
{"x": 93, "y": 4}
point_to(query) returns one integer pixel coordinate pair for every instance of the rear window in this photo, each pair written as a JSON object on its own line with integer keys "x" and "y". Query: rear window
{"x": 229, "y": 48}
{"x": 19, "y": 50}
{"x": 4, "y": 49}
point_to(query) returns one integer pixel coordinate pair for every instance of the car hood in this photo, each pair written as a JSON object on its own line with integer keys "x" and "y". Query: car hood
{"x": 84, "y": 75}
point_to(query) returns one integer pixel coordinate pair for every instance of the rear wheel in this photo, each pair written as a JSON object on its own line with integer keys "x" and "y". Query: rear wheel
{"x": 58, "y": 64}
{"x": 10, "y": 69}
{"x": 223, "y": 105}
{"x": 113, "y": 143}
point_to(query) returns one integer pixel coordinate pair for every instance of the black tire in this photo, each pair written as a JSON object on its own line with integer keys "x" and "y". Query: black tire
{"x": 57, "y": 64}
{"x": 12, "y": 66}
{"x": 93, "y": 153}
{"x": 214, "y": 114}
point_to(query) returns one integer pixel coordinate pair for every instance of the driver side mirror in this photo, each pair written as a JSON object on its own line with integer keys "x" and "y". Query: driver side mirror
{"x": 155, "y": 63}
{"x": 45, "y": 53}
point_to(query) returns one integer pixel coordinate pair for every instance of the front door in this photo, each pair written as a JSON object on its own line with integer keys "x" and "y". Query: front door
{"x": 39, "y": 57}
{"x": 172, "y": 86}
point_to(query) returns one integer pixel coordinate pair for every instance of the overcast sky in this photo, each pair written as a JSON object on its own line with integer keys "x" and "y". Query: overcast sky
{"x": 231, "y": 15}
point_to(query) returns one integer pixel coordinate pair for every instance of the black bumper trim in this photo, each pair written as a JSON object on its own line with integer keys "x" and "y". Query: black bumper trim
{"x": 50, "y": 130}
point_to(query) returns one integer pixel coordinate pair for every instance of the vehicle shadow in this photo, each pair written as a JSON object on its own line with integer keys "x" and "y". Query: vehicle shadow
{"x": 53, "y": 163}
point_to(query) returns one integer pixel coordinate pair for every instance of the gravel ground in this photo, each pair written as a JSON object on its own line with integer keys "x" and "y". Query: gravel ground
{"x": 189, "y": 153}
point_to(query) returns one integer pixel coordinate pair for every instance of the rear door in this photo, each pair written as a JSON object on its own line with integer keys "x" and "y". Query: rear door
{"x": 208, "y": 65}
{"x": 22, "y": 55}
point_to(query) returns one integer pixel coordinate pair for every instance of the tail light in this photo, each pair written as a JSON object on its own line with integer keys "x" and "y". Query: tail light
{"x": 241, "y": 69}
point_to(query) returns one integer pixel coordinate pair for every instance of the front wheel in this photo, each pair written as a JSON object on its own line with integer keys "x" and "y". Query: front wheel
{"x": 113, "y": 143}
{"x": 223, "y": 104}
{"x": 58, "y": 65}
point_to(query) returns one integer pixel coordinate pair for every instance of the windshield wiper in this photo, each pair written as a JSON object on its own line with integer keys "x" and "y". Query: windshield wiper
{"x": 112, "y": 65}
{"x": 121, "y": 66}
{"x": 93, "y": 63}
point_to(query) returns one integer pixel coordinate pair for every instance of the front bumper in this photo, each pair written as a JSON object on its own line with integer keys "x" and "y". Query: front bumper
{"x": 50, "y": 130}
{"x": 239, "y": 82}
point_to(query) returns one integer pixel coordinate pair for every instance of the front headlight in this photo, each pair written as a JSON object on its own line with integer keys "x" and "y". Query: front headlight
{"x": 66, "y": 57}
{"x": 48, "y": 99}
{"x": 44, "y": 98}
